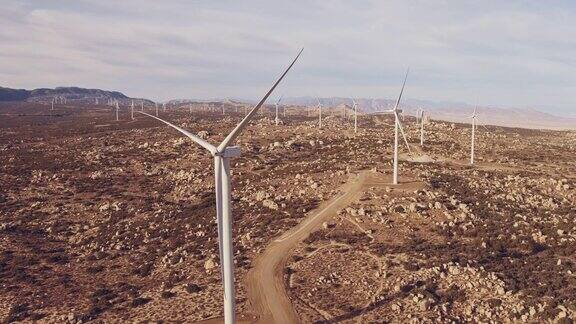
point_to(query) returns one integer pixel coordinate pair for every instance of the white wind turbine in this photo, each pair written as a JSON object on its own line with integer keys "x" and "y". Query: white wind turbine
{"x": 418, "y": 112}
{"x": 422, "y": 127}
{"x": 117, "y": 108}
{"x": 277, "y": 120}
{"x": 52, "y": 104}
{"x": 156, "y": 105}
{"x": 398, "y": 127}
{"x": 473, "y": 135}
{"x": 142, "y": 105}
{"x": 132, "y": 110}
{"x": 164, "y": 107}
{"x": 355, "y": 115}
{"x": 222, "y": 154}
{"x": 319, "y": 113}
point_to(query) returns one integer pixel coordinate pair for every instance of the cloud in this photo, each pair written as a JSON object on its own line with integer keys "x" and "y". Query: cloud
{"x": 514, "y": 53}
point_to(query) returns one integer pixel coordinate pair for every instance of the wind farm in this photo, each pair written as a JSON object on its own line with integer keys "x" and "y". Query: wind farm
{"x": 228, "y": 175}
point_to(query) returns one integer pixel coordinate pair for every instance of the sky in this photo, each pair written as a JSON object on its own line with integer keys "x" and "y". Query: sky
{"x": 501, "y": 53}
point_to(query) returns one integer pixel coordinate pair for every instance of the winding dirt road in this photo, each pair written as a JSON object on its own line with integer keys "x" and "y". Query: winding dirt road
{"x": 264, "y": 282}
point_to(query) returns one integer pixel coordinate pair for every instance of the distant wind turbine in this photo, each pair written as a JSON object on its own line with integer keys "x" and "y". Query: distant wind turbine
{"x": 355, "y": 115}
{"x": 117, "y": 108}
{"x": 319, "y": 113}
{"x": 473, "y": 135}
{"x": 398, "y": 127}
{"x": 422, "y": 127}
{"x": 276, "y": 104}
{"x": 222, "y": 154}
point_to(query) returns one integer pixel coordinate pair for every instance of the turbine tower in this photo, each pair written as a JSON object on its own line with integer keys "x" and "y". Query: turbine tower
{"x": 222, "y": 154}
{"x": 132, "y": 110}
{"x": 473, "y": 136}
{"x": 398, "y": 127}
{"x": 276, "y": 104}
{"x": 319, "y": 113}
{"x": 156, "y": 105}
{"x": 355, "y": 115}
{"x": 117, "y": 108}
{"x": 419, "y": 111}
{"x": 142, "y": 105}
{"x": 52, "y": 104}
{"x": 421, "y": 127}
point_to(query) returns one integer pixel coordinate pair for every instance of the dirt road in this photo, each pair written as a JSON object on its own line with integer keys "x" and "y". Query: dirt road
{"x": 265, "y": 284}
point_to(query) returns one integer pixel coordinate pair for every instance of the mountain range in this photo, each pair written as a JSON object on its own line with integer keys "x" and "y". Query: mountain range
{"x": 448, "y": 111}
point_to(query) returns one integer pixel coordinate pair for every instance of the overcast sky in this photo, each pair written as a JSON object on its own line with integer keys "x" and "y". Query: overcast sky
{"x": 505, "y": 53}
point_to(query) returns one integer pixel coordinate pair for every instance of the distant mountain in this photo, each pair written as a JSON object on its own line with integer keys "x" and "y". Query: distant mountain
{"x": 68, "y": 93}
{"x": 450, "y": 111}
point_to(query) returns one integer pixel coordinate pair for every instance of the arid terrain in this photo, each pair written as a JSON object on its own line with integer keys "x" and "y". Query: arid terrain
{"x": 114, "y": 221}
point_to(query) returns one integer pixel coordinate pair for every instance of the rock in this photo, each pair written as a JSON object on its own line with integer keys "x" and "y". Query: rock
{"x": 424, "y": 304}
{"x": 193, "y": 288}
{"x": 203, "y": 134}
{"x": 270, "y": 204}
{"x": 105, "y": 207}
{"x": 210, "y": 264}
{"x": 261, "y": 195}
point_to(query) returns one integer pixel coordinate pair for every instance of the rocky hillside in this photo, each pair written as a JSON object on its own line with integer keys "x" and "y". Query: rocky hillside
{"x": 61, "y": 93}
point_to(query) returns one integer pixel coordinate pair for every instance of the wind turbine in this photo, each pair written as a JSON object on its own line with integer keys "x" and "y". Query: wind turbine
{"x": 418, "y": 112}
{"x": 355, "y": 115}
{"x": 156, "y": 105}
{"x": 117, "y": 108}
{"x": 142, "y": 105}
{"x": 473, "y": 135}
{"x": 52, "y": 104}
{"x": 276, "y": 104}
{"x": 132, "y": 110}
{"x": 319, "y": 113}
{"x": 421, "y": 127}
{"x": 222, "y": 154}
{"x": 398, "y": 127}
{"x": 164, "y": 107}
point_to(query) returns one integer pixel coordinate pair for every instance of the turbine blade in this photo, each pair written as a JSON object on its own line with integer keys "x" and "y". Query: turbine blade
{"x": 402, "y": 90}
{"x": 383, "y": 112}
{"x": 403, "y": 134}
{"x": 280, "y": 99}
{"x": 193, "y": 137}
{"x": 236, "y": 131}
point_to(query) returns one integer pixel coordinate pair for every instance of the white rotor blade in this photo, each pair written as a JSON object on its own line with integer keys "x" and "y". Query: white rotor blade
{"x": 280, "y": 99}
{"x": 236, "y": 131}
{"x": 193, "y": 137}
{"x": 384, "y": 112}
{"x": 403, "y": 134}
{"x": 402, "y": 91}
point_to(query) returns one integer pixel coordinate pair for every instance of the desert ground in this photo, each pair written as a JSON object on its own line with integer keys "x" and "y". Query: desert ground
{"x": 114, "y": 221}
